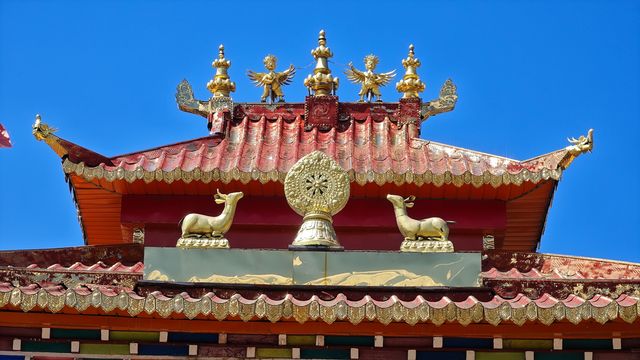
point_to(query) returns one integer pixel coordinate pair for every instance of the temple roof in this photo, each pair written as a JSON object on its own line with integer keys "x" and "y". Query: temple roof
{"x": 602, "y": 293}
{"x": 257, "y": 147}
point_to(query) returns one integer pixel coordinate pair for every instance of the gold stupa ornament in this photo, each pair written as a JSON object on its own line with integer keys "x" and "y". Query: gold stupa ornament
{"x": 317, "y": 188}
{"x": 410, "y": 86}
{"x": 221, "y": 85}
{"x": 321, "y": 82}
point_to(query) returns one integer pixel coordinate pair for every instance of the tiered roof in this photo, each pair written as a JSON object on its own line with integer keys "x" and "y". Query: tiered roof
{"x": 577, "y": 290}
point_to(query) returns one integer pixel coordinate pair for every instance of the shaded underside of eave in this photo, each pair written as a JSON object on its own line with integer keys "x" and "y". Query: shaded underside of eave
{"x": 526, "y": 218}
{"x": 100, "y": 203}
{"x": 100, "y": 212}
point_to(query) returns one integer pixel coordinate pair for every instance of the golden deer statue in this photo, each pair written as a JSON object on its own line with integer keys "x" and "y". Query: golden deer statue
{"x": 426, "y": 235}
{"x": 198, "y": 228}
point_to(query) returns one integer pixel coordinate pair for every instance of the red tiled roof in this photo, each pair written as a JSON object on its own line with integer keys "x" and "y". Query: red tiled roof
{"x": 518, "y": 265}
{"x": 371, "y": 150}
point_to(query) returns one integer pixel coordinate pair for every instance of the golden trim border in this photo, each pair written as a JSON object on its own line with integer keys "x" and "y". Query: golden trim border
{"x": 419, "y": 311}
{"x": 487, "y": 178}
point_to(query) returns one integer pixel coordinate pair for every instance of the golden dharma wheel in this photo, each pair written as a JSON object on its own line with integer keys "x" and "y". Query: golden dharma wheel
{"x": 317, "y": 184}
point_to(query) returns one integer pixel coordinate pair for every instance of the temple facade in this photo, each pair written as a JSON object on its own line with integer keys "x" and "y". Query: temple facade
{"x": 319, "y": 229}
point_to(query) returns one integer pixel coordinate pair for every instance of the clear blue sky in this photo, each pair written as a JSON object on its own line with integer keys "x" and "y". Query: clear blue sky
{"x": 529, "y": 74}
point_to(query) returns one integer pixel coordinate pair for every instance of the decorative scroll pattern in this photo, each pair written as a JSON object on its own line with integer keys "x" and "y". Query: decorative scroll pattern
{"x": 177, "y": 174}
{"x": 546, "y": 310}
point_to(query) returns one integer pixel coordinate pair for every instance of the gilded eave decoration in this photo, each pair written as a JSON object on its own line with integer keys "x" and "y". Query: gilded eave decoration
{"x": 518, "y": 311}
{"x": 215, "y": 175}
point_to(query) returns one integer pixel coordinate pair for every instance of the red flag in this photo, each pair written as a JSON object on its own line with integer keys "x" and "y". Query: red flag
{"x": 5, "y": 141}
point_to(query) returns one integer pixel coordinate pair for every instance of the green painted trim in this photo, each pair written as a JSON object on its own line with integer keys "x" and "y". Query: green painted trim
{"x": 41, "y": 346}
{"x": 273, "y": 353}
{"x": 307, "y": 340}
{"x": 500, "y": 356}
{"x": 105, "y": 349}
{"x": 147, "y": 336}
{"x": 533, "y": 344}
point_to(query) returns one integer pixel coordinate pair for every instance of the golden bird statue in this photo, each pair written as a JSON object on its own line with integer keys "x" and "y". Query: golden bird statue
{"x": 272, "y": 81}
{"x": 370, "y": 81}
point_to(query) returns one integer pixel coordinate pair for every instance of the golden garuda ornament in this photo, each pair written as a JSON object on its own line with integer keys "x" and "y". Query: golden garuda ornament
{"x": 317, "y": 188}
{"x": 370, "y": 81}
{"x": 272, "y": 81}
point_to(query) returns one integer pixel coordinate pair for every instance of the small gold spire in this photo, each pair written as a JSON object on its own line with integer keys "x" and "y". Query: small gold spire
{"x": 410, "y": 85}
{"x": 321, "y": 83}
{"x": 221, "y": 85}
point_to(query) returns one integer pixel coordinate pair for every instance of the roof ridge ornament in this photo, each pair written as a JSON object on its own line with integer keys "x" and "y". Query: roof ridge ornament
{"x": 410, "y": 85}
{"x": 321, "y": 83}
{"x": 371, "y": 82}
{"x": 221, "y": 85}
{"x": 578, "y": 146}
{"x": 272, "y": 81}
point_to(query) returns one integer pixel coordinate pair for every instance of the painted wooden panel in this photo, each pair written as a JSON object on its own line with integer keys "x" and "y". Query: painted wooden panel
{"x": 382, "y": 353}
{"x": 633, "y": 343}
{"x": 134, "y": 336}
{"x": 104, "y": 349}
{"x": 75, "y": 334}
{"x": 241, "y": 339}
{"x": 467, "y": 343}
{"x": 559, "y": 355}
{"x": 192, "y": 338}
{"x": 163, "y": 349}
{"x": 441, "y": 355}
{"x": 532, "y": 344}
{"x": 281, "y": 353}
{"x": 587, "y": 344}
{"x": 409, "y": 342}
{"x": 20, "y": 332}
{"x": 223, "y": 351}
{"x": 616, "y": 356}
{"x": 349, "y": 340}
{"x": 310, "y": 353}
{"x": 6, "y": 343}
{"x": 500, "y": 356}
{"x": 301, "y": 340}
{"x": 41, "y": 346}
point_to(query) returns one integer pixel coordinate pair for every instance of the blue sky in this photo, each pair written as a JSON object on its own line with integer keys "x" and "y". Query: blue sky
{"x": 529, "y": 74}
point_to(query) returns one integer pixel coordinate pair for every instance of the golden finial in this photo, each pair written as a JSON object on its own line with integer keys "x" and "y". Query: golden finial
{"x": 370, "y": 81}
{"x": 221, "y": 85}
{"x": 321, "y": 83}
{"x": 410, "y": 85}
{"x": 272, "y": 81}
